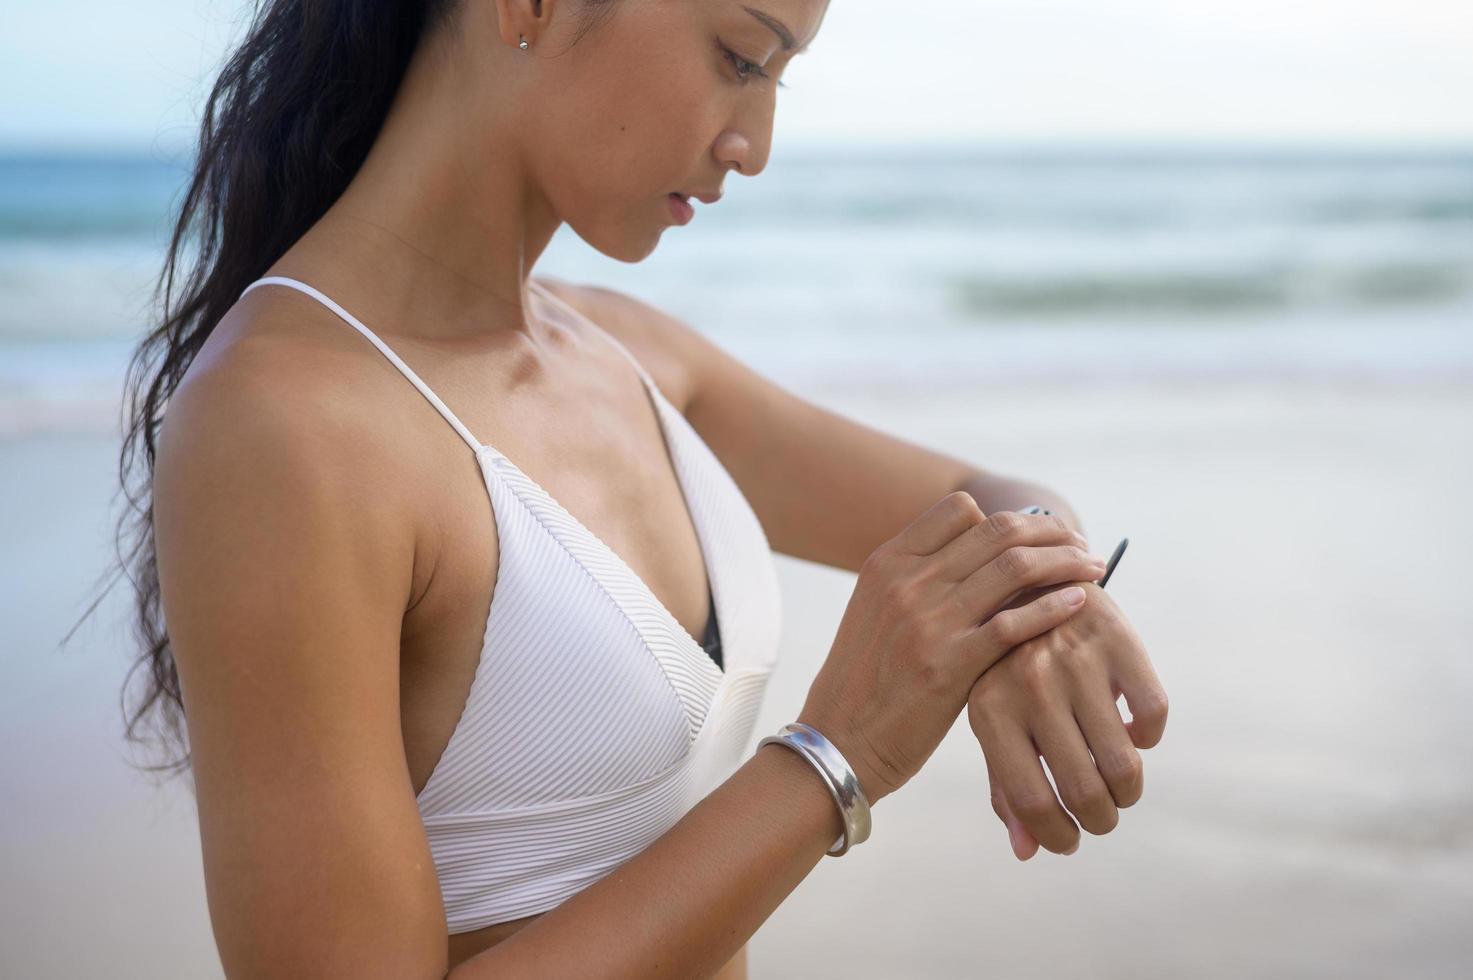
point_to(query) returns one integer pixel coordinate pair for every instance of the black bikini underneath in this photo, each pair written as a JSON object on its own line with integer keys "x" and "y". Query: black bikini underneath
{"x": 712, "y": 640}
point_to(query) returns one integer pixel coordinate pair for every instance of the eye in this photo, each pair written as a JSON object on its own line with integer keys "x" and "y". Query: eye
{"x": 746, "y": 69}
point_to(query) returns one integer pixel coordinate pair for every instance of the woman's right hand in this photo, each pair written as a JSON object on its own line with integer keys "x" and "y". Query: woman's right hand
{"x": 927, "y": 619}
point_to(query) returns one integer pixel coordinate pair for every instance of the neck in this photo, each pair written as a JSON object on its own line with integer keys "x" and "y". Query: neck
{"x": 440, "y": 228}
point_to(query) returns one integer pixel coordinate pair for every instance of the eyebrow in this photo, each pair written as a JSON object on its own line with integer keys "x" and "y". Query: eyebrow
{"x": 779, "y": 28}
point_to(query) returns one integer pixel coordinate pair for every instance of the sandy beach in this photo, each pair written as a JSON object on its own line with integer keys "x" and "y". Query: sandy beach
{"x": 1296, "y": 569}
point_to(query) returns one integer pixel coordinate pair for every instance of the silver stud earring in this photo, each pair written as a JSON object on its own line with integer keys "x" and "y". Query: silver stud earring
{"x": 523, "y": 45}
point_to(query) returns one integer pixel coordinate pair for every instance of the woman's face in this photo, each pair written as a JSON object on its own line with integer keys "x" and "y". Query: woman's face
{"x": 661, "y": 96}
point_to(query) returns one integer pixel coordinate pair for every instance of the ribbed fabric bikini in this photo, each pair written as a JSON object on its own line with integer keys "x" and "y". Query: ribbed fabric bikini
{"x": 595, "y": 720}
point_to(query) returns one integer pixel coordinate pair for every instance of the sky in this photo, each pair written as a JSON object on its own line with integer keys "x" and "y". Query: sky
{"x": 85, "y": 74}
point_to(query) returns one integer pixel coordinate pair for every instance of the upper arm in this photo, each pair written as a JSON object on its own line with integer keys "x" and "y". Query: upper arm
{"x": 826, "y": 488}
{"x": 284, "y": 575}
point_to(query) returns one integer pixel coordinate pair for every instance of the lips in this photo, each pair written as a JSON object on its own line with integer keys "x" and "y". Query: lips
{"x": 680, "y": 209}
{"x": 704, "y": 198}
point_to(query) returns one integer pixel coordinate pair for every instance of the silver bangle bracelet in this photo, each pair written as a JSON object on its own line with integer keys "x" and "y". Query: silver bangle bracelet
{"x": 837, "y": 775}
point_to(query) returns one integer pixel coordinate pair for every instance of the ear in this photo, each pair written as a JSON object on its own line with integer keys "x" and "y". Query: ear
{"x": 519, "y": 20}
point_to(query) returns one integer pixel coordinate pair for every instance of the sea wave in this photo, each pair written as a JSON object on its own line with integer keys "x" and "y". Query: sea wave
{"x": 1148, "y": 292}
{"x": 87, "y": 197}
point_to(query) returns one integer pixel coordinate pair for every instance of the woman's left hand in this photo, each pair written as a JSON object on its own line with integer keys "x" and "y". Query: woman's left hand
{"x": 1055, "y": 695}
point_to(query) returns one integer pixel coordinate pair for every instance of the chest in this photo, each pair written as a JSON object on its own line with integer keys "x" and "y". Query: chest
{"x": 594, "y": 443}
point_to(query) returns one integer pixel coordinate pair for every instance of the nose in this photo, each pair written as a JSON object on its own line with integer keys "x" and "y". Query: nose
{"x": 746, "y": 144}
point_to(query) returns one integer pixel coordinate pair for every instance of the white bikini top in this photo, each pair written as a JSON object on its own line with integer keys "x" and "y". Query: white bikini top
{"x": 595, "y": 720}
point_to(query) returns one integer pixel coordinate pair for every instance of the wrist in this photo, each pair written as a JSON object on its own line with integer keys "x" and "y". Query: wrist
{"x": 866, "y": 769}
{"x": 834, "y": 770}
{"x": 811, "y": 804}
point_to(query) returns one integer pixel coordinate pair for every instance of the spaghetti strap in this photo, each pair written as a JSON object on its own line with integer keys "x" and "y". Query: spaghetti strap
{"x": 384, "y": 348}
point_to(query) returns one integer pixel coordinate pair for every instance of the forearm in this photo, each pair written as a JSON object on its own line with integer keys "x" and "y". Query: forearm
{"x": 993, "y": 492}
{"x": 687, "y": 903}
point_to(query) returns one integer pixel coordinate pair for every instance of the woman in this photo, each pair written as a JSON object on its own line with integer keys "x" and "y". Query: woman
{"x": 418, "y": 724}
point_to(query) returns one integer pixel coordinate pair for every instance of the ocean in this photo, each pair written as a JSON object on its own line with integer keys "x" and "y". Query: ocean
{"x": 884, "y": 268}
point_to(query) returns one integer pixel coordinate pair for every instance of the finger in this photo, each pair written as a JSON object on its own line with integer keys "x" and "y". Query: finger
{"x": 1145, "y": 697}
{"x": 1024, "y": 844}
{"x": 1077, "y": 779}
{"x": 989, "y": 642}
{"x": 1109, "y": 742}
{"x": 984, "y": 541}
{"x": 1028, "y": 791}
{"x": 986, "y": 589}
{"x": 940, "y": 523}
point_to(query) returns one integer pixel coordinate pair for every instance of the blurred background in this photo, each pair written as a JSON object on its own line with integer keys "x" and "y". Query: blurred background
{"x": 1205, "y": 269}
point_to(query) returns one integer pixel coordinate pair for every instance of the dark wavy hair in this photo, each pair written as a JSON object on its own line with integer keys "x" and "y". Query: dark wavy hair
{"x": 286, "y": 126}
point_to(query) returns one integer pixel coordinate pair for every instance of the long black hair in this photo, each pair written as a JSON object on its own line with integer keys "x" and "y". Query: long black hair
{"x": 286, "y": 126}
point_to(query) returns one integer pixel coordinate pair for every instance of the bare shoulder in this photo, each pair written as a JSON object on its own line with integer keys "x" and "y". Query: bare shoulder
{"x": 271, "y": 375}
{"x": 266, "y": 475}
{"x": 269, "y": 415}
{"x": 671, "y": 350}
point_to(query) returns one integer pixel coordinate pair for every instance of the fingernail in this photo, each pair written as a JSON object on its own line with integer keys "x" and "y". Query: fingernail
{"x": 1073, "y": 595}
